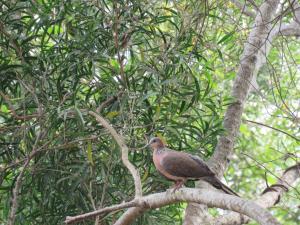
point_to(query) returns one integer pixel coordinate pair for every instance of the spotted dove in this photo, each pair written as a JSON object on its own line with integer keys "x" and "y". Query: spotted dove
{"x": 181, "y": 166}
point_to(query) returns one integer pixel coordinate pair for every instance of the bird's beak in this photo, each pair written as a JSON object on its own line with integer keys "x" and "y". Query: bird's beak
{"x": 142, "y": 148}
{"x": 146, "y": 146}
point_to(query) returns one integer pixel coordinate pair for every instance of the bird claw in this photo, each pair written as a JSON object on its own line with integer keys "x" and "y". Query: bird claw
{"x": 177, "y": 186}
{"x": 169, "y": 190}
{"x": 175, "y": 189}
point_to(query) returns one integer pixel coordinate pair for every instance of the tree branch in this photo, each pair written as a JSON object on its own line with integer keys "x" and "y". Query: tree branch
{"x": 253, "y": 57}
{"x": 273, "y": 128}
{"x": 203, "y": 196}
{"x": 250, "y": 63}
{"x": 124, "y": 152}
{"x": 13, "y": 42}
{"x": 109, "y": 101}
{"x": 130, "y": 215}
{"x": 244, "y": 9}
{"x": 15, "y": 192}
{"x": 13, "y": 111}
{"x": 270, "y": 196}
{"x": 292, "y": 29}
{"x": 124, "y": 205}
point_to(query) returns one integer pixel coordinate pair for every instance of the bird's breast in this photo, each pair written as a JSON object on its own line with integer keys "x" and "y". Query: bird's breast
{"x": 157, "y": 159}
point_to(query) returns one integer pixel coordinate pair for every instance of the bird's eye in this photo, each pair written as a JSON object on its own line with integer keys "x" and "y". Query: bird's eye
{"x": 154, "y": 141}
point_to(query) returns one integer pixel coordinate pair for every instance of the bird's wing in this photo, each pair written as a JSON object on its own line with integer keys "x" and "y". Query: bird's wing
{"x": 203, "y": 164}
{"x": 181, "y": 164}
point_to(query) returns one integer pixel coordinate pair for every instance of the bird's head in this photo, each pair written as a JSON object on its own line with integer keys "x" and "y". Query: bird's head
{"x": 156, "y": 143}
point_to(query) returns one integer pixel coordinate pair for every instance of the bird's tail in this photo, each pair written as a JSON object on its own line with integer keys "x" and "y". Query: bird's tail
{"x": 215, "y": 182}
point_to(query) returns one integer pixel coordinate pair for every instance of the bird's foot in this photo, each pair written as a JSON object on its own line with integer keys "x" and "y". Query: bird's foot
{"x": 177, "y": 185}
{"x": 169, "y": 190}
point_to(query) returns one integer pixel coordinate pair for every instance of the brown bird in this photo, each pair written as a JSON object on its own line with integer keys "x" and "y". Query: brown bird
{"x": 181, "y": 166}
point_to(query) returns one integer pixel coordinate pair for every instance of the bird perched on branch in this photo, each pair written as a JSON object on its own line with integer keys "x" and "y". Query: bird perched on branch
{"x": 181, "y": 166}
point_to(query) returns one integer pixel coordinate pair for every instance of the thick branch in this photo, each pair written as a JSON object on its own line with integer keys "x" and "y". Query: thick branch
{"x": 250, "y": 63}
{"x": 270, "y": 196}
{"x": 253, "y": 57}
{"x": 203, "y": 196}
{"x": 193, "y": 211}
{"x": 124, "y": 152}
{"x": 292, "y": 29}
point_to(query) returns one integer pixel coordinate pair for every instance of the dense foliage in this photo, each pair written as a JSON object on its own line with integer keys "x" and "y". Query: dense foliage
{"x": 152, "y": 68}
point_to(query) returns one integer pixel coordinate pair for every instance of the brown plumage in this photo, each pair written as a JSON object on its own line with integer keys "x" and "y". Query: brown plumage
{"x": 181, "y": 166}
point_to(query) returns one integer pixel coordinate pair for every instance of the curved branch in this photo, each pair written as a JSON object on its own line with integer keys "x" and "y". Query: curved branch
{"x": 270, "y": 196}
{"x": 124, "y": 151}
{"x": 203, "y": 196}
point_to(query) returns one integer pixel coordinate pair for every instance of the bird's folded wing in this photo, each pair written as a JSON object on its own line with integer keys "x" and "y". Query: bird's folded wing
{"x": 181, "y": 164}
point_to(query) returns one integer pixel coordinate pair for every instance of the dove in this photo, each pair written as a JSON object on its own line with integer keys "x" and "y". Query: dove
{"x": 181, "y": 166}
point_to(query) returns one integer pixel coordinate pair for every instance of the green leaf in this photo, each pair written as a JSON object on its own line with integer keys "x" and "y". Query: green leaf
{"x": 90, "y": 152}
{"x": 226, "y": 38}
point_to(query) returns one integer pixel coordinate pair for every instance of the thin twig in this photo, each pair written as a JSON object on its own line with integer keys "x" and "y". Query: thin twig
{"x": 13, "y": 111}
{"x": 12, "y": 41}
{"x": 109, "y": 101}
{"x": 117, "y": 46}
{"x": 273, "y": 128}
{"x": 124, "y": 205}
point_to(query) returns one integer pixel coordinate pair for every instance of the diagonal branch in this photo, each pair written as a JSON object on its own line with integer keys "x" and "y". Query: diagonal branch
{"x": 203, "y": 196}
{"x": 244, "y": 8}
{"x": 250, "y": 63}
{"x": 253, "y": 57}
{"x": 273, "y": 128}
{"x": 109, "y": 101}
{"x": 13, "y": 42}
{"x": 124, "y": 152}
{"x": 13, "y": 111}
{"x": 270, "y": 196}
{"x": 113, "y": 208}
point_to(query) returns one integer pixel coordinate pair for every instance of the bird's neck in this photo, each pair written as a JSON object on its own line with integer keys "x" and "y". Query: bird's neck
{"x": 159, "y": 150}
